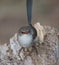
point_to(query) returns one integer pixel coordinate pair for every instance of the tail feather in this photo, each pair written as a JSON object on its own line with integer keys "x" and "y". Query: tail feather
{"x": 29, "y": 10}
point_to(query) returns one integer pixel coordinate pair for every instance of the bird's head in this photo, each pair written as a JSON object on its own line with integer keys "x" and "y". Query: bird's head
{"x": 24, "y": 30}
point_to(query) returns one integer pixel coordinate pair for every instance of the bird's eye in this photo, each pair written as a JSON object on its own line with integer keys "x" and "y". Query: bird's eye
{"x": 24, "y": 32}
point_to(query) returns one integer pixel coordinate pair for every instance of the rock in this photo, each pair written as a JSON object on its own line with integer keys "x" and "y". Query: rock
{"x": 46, "y": 52}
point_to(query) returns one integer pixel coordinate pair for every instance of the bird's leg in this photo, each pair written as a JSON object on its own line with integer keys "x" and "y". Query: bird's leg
{"x": 20, "y": 52}
{"x": 34, "y": 48}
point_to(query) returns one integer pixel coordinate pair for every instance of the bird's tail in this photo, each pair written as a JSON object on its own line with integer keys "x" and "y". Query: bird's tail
{"x": 29, "y": 10}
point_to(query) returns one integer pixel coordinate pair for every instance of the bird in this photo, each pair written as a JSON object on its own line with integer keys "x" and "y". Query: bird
{"x": 27, "y": 35}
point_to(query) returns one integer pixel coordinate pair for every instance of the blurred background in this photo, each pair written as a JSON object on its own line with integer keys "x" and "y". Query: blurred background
{"x": 13, "y": 15}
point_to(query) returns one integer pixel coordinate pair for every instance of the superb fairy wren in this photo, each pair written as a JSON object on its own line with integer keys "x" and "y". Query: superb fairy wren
{"x": 27, "y": 34}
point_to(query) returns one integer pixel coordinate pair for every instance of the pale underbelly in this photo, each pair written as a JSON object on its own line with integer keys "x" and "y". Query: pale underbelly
{"x": 25, "y": 40}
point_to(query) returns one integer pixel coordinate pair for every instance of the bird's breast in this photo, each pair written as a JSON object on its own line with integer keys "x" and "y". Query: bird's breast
{"x": 25, "y": 40}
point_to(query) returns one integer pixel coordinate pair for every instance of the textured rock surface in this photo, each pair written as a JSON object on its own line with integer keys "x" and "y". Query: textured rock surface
{"x": 46, "y": 53}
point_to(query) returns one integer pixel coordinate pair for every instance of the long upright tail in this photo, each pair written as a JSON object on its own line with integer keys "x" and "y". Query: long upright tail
{"x": 29, "y": 10}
